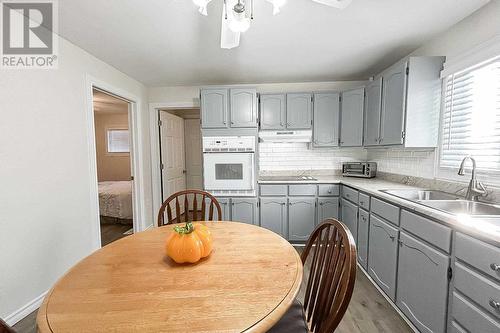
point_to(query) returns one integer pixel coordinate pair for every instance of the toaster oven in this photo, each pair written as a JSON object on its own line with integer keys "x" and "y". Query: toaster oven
{"x": 359, "y": 169}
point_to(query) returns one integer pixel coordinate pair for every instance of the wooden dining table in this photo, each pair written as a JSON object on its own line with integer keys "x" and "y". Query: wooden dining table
{"x": 246, "y": 284}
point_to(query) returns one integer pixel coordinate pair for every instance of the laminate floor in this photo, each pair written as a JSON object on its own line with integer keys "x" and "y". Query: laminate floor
{"x": 368, "y": 312}
{"x": 113, "y": 232}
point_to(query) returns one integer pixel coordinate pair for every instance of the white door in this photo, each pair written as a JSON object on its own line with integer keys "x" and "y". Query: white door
{"x": 172, "y": 154}
{"x": 194, "y": 178}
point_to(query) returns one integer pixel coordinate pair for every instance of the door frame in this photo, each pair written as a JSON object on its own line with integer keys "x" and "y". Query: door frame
{"x": 154, "y": 131}
{"x": 136, "y": 159}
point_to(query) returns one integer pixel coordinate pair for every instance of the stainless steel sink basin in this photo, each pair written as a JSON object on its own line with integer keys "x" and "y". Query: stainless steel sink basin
{"x": 417, "y": 195}
{"x": 472, "y": 208}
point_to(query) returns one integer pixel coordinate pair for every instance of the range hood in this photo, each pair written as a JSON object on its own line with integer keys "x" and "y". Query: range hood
{"x": 286, "y": 136}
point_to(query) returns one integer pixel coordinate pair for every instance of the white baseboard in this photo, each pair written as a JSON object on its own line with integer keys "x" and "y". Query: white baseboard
{"x": 25, "y": 310}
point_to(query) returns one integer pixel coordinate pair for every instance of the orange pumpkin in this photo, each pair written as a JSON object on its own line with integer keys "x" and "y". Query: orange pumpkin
{"x": 189, "y": 243}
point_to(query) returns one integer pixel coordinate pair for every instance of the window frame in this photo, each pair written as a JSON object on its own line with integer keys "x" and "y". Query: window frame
{"x": 106, "y": 135}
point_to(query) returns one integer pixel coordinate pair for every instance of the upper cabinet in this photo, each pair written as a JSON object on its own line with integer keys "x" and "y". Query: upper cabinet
{"x": 214, "y": 105}
{"x": 243, "y": 104}
{"x": 298, "y": 111}
{"x": 373, "y": 108}
{"x": 326, "y": 119}
{"x": 409, "y": 114}
{"x": 224, "y": 108}
{"x": 351, "y": 129}
{"x": 273, "y": 111}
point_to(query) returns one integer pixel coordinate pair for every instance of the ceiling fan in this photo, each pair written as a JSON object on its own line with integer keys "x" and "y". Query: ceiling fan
{"x": 237, "y": 15}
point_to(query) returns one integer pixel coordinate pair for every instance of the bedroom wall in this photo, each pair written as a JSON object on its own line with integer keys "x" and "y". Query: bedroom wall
{"x": 45, "y": 221}
{"x": 110, "y": 167}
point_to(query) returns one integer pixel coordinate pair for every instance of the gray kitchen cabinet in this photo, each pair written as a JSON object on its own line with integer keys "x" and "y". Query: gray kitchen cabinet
{"x": 214, "y": 108}
{"x": 422, "y": 284}
{"x": 373, "y": 108}
{"x": 225, "y": 208}
{"x": 273, "y": 214}
{"x": 350, "y": 217}
{"x": 243, "y": 106}
{"x": 382, "y": 255}
{"x": 245, "y": 210}
{"x": 301, "y": 218}
{"x": 272, "y": 111}
{"x": 327, "y": 208}
{"x": 298, "y": 111}
{"x": 326, "y": 119}
{"x": 393, "y": 105}
{"x": 363, "y": 234}
{"x": 351, "y": 125}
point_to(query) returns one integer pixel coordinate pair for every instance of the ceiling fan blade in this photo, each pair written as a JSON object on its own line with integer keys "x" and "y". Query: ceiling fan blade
{"x": 340, "y": 4}
{"x": 228, "y": 38}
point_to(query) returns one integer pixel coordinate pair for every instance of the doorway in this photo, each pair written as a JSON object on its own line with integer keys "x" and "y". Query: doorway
{"x": 180, "y": 151}
{"x": 114, "y": 168}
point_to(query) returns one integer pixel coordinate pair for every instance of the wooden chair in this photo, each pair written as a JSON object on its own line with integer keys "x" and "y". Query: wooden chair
{"x": 194, "y": 214}
{"x": 4, "y": 328}
{"x": 330, "y": 254}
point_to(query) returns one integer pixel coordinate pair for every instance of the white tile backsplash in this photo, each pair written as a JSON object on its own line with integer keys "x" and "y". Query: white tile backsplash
{"x": 275, "y": 156}
{"x": 417, "y": 163}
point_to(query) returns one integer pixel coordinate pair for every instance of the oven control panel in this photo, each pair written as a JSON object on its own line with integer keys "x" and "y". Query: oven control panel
{"x": 230, "y": 144}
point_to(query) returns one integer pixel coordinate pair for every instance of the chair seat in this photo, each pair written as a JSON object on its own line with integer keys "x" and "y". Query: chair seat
{"x": 293, "y": 321}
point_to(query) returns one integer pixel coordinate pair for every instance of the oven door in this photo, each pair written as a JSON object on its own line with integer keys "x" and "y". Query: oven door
{"x": 228, "y": 171}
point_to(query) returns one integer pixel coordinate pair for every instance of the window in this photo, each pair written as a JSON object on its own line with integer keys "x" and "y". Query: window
{"x": 118, "y": 141}
{"x": 471, "y": 118}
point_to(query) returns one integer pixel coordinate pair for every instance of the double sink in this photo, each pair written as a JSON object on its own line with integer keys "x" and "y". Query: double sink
{"x": 447, "y": 202}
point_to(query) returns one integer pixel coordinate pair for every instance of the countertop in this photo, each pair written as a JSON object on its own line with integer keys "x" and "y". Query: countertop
{"x": 485, "y": 228}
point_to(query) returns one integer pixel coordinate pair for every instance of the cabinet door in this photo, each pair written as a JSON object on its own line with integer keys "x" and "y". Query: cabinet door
{"x": 298, "y": 111}
{"x": 328, "y": 208}
{"x": 243, "y": 107}
{"x": 382, "y": 255}
{"x": 273, "y": 215}
{"x": 244, "y": 210}
{"x": 272, "y": 112}
{"x": 393, "y": 106}
{"x": 326, "y": 119}
{"x": 422, "y": 284}
{"x": 351, "y": 129}
{"x": 362, "y": 245}
{"x": 350, "y": 217}
{"x": 373, "y": 110}
{"x": 224, "y": 206}
{"x": 301, "y": 217}
{"x": 214, "y": 105}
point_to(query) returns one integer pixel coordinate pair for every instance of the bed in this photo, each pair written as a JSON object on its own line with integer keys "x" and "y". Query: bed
{"x": 115, "y": 201}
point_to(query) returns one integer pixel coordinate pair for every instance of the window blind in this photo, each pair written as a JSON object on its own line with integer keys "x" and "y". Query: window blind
{"x": 471, "y": 117}
{"x": 118, "y": 141}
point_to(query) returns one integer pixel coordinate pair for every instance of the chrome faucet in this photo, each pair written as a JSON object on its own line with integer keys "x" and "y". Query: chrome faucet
{"x": 475, "y": 189}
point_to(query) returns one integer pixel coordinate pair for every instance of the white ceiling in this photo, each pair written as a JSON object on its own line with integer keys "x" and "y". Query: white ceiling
{"x": 167, "y": 42}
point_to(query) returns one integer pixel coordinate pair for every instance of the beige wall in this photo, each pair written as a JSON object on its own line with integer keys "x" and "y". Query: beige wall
{"x": 110, "y": 166}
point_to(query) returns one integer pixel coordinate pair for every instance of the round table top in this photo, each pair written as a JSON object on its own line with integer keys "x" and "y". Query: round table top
{"x": 246, "y": 284}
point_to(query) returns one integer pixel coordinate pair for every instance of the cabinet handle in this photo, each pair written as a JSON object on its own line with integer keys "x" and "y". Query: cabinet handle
{"x": 321, "y": 204}
{"x": 495, "y": 267}
{"x": 362, "y": 203}
{"x": 232, "y": 123}
{"x": 494, "y": 304}
{"x": 224, "y": 122}
{"x": 281, "y": 124}
{"x": 329, "y": 191}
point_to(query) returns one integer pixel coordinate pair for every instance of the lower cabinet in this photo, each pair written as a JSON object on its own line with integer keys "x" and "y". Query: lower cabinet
{"x": 422, "y": 284}
{"x": 245, "y": 210}
{"x": 382, "y": 255}
{"x": 350, "y": 217}
{"x": 363, "y": 229}
{"x": 273, "y": 214}
{"x": 327, "y": 208}
{"x": 301, "y": 217}
{"x": 224, "y": 206}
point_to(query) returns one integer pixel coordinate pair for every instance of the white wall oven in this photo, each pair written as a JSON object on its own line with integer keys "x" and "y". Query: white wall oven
{"x": 229, "y": 165}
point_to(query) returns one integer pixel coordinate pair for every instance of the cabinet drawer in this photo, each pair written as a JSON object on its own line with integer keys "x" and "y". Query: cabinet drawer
{"x": 273, "y": 189}
{"x": 428, "y": 230}
{"x": 350, "y": 194}
{"x": 327, "y": 190}
{"x": 301, "y": 190}
{"x": 478, "y": 288}
{"x": 364, "y": 201}
{"x": 385, "y": 210}
{"x": 483, "y": 256}
{"x": 471, "y": 317}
